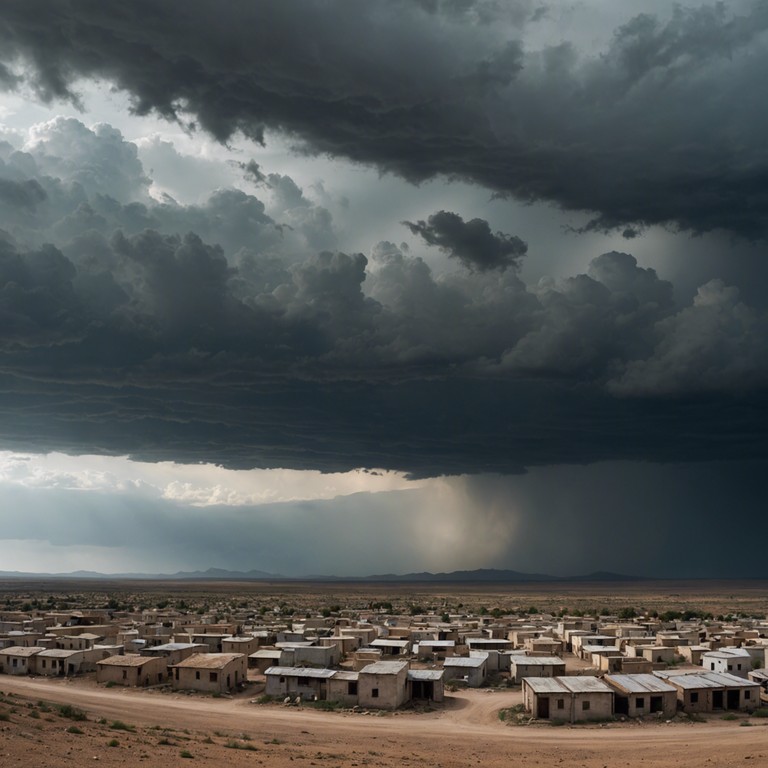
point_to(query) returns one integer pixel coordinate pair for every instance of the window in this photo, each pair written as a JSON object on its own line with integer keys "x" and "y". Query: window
{"x": 352, "y": 688}
{"x": 640, "y": 702}
{"x": 585, "y": 705}
{"x": 711, "y": 664}
{"x": 694, "y": 697}
{"x": 738, "y": 666}
{"x": 214, "y": 677}
{"x": 747, "y": 694}
{"x": 561, "y": 703}
{"x": 197, "y": 675}
{"x": 375, "y": 693}
{"x": 125, "y": 674}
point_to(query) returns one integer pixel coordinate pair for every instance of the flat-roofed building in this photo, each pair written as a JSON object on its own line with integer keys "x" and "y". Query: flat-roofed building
{"x": 536, "y": 666}
{"x": 643, "y": 694}
{"x": 19, "y": 660}
{"x": 305, "y": 682}
{"x": 472, "y": 669}
{"x": 710, "y": 691}
{"x": 383, "y": 684}
{"x": 568, "y": 698}
{"x": 131, "y": 670}
{"x": 210, "y": 672}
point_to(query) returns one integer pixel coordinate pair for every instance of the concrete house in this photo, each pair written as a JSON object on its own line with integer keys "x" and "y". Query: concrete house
{"x": 709, "y": 691}
{"x": 57, "y": 661}
{"x": 343, "y": 687}
{"x": 644, "y": 694}
{"x": 173, "y": 653}
{"x": 737, "y": 661}
{"x": 473, "y": 669}
{"x": 383, "y": 685}
{"x": 536, "y": 666}
{"x": 435, "y": 650}
{"x": 306, "y": 682}
{"x": 131, "y": 670}
{"x": 391, "y": 647}
{"x": 246, "y": 644}
{"x": 760, "y": 676}
{"x": 210, "y": 672}
{"x": 18, "y": 660}
{"x": 568, "y": 698}
{"x": 425, "y": 685}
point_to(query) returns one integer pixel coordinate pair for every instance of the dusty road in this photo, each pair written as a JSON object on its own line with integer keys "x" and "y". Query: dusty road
{"x": 466, "y": 732}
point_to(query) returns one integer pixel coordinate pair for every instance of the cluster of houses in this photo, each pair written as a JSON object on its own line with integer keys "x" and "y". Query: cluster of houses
{"x": 569, "y": 668}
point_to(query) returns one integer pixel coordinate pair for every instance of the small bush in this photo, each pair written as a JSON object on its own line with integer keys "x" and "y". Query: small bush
{"x": 119, "y": 725}
{"x": 75, "y": 729}
{"x": 240, "y": 745}
{"x": 186, "y": 754}
{"x": 762, "y": 712}
{"x": 5, "y": 717}
{"x": 730, "y": 716}
{"x": 113, "y": 743}
{"x": 110, "y": 684}
{"x": 72, "y": 713}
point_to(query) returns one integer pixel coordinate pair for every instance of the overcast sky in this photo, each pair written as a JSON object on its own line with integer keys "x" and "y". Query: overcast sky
{"x": 334, "y": 287}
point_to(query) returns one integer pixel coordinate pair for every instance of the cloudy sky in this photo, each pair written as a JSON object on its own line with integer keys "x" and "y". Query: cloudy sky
{"x": 325, "y": 286}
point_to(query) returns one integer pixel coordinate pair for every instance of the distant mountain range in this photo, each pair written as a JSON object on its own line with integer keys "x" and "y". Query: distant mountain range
{"x": 481, "y": 575}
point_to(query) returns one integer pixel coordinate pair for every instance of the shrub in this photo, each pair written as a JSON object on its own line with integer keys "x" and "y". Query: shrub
{"x": 186, "y": 754}
{"x": 75, "y": 729}
{"x": 762, "y": 712}
{"x": 68, "y": 711}
{"x": 113, "y": 743}
{"x": 119, "y": 725}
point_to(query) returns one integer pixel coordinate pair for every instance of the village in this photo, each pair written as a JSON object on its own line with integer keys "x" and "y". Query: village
{"x": 567, "y": 668}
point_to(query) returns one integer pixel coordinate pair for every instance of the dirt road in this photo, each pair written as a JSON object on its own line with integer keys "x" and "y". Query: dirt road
{"x": 467, "y": 731}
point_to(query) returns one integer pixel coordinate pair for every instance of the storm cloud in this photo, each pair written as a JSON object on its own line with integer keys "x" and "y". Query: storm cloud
{"x": 466, "y": 96}
{"x": 472, "y": 242}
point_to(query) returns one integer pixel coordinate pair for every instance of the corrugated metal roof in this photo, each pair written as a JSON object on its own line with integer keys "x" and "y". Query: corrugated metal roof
{"x": 585, "y": 684}
{"x": 710, "y": 680}
{"x": 389, "y": 643}
{"x": 266, "y": 653}
{"x": 301, "y": 672}
{"x": 641, "y": 683}
{"x": 544, "y": 684}
{"x": 58, "y": 653}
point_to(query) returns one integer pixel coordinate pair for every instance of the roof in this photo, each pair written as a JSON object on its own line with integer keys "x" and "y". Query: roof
{"x": 382, "y": 643}
{"x": 465, "y": 661}
{"x": 18, "y": 650}
{"x": 266, "y": 653}
{"x": 345, "y": 674}
{"x": 208, "y": 660}
{"x": 642, "y": 683}
{"x": 173, "y": 647}
{"x": 300, "y": 672}
{"x": 384, "y": 668}
{"x": 438, "y": 643}
{"x": 425, "y": 674}
{"x": 487, "y": 641}
{"x": 129, "y": 660}
{"x": 710, "y": 680}
{"x": 59, "y": 653}
{"x": 727, "y": 653}
{"x": 569, "y": 684}
{"x": 537, "y": 661}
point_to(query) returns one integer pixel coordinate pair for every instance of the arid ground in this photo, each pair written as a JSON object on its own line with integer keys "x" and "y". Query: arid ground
{"x": 127, "y": 727}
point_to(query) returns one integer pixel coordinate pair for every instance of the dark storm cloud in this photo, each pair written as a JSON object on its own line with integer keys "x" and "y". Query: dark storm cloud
{"x": 212, "y": 332}
{"x": 472, "y": 242}
{"x": 661, "y": 126}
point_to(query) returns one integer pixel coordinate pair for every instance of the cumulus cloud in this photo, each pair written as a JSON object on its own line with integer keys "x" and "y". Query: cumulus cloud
{"x": 559, "y": 122}
{"x": 472, "y": 242}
